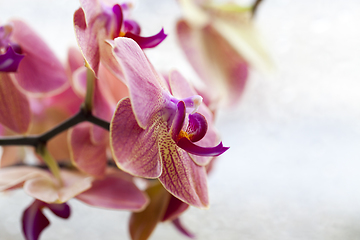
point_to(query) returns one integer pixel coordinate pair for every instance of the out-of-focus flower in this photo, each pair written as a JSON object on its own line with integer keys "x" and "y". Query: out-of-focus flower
{"x": 220, "y": 42}
{"x": 27, "y": 68}
{"x": 115, "y": 191}
{"x": 152, "y": 132}
{"x": 99, "y": 21}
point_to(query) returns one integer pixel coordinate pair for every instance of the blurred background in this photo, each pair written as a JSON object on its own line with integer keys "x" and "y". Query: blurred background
{"x": 292, "y": 171}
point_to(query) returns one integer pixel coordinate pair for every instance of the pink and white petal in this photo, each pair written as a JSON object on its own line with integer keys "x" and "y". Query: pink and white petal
{"x": 135, "y": 149}
{"x": 11, "y": 177}
{"x": 103, "y": 110}
{"x": 48, "y": 190}
{"x": 180, "y": 175}
{"x": 111, "y": 86}
{"x": 79, "y": 79}
{"x": 10, "y": 156}
{"x": 232, "y": 66}
{"x": 87, "y": 38}
{"x": 174, "y": 209}
{"x": 75, "y": 59}
{"x": 67, "y": 101}
{"x": 146, "y": 93}
{"x": 92, "y": 9}
{"x": 14, "y": 108}
{"x": 86, "y": 156}
{"x": 109, "y": 61}
{"x": 115, "y": 191}
{"x": 40, "y": 72}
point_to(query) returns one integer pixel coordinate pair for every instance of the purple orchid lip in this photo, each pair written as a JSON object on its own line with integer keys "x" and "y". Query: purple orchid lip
{"x": 197, "y": 127}
{"x": 147, "y": 42}
{"x": 132, "y": 26}
{"x": 188, "y": 146}
{"x": 178, "y": 121}
{"x": 118, "y": 20}
{"x": 9, "y": 61}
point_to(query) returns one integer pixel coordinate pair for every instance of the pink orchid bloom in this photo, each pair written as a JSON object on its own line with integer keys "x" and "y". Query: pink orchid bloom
{"x": 220, "y": 43}
{"x": 98, "y": 21}
{"x": 115, "y": 191}
{"x": 148, "y": 137}
{"x": 27, "y": 67}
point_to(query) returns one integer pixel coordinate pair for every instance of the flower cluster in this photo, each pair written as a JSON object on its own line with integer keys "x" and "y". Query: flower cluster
{"x": 108, "y": 116}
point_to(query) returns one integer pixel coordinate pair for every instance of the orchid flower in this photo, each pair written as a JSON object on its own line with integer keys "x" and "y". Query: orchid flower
{"x": 220, "y": 42}
{"x": 98, "y": 21}
{"x": 148, "y": 137}
{"x": 27, "y": 67}
{"x": 115, "y": 191}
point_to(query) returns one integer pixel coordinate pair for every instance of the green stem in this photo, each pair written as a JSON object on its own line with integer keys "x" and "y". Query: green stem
{"x": 50, "y": 161}
{"x": 90, "y": 86}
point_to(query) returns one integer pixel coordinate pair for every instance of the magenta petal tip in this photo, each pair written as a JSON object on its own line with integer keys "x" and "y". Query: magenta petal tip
{"x": 188, "y": 146}
{"x": 147, "y": 42}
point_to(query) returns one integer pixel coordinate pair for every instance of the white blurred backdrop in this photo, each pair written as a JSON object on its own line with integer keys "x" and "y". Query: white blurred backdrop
{"x": 292, "y": 172}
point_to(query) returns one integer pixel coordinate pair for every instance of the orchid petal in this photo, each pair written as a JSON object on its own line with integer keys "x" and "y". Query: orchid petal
{"x": 118, "y": 20}
{"x": 14, "y": 108}
{"x": 132, "y": 26}
{"x": 34, "y": 221}
{"x": 142, "y": 224}
{"x": 174, "y": 209}
{"x": 134, "y": 149}
{"x": 10, "y": 60}
{"x": 10, "y": 156}
{"x": 48, "y": 190}
{"x": 109, "y": 61}
{"x": 85, "y": 155}
{"x": 87, "y": 38}
{"x": 147, "y": 42}
{"x": 92, "y": 8}
{"x": 75, "y": 59}
{"x": 61, "y": 210}
{"x": 11, "y": 177}
{"x": 40, "y": 71}
{"x": 180, "y": 175}
{"x": 115, "y": 191}
{"x": 146, "y": 93}
{"x": 102, "y": 110}
{"x": 188, "y": 146}
{"x": 79, "y": 79}
{"x": 182, "y": 229}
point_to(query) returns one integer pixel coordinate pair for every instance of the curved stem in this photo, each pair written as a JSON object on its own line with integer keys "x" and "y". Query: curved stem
{"x": 255, "y": 7}
{"x": 50, "y": 162}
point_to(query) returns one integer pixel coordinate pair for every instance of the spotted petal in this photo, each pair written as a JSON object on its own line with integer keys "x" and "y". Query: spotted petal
{"x": 135, "y": 149}
{"x": 180, "y": 175}
{"x": 14, "y": 108}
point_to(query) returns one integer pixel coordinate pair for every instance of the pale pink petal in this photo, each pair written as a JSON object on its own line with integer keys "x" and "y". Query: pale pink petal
{"x": 79, "y": 79}
{"x": 75, "y": 59}
{"x": 180, "y": 175}
{"x": 86, "y": 156}
{"x": 135, "y": 149}
{"x": 180, "y": 88}
{"x": 40, "y": 71}
{"x": 14, "y": 108}
{"x": 87, "y": 38}
{"x": 10, "y": 156}
{"x": 109, "y": 60}
{"x": 103, "y": 110}
{"x": 146, "y": 94}
{"x": 16, "y": 176}
{"x": 67, "y": 101}
{"x": 115, "y": 191}
{"x": 48, "y": 190}
{"x": 92, "y": 9}
{"x": 112, "y": 87}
